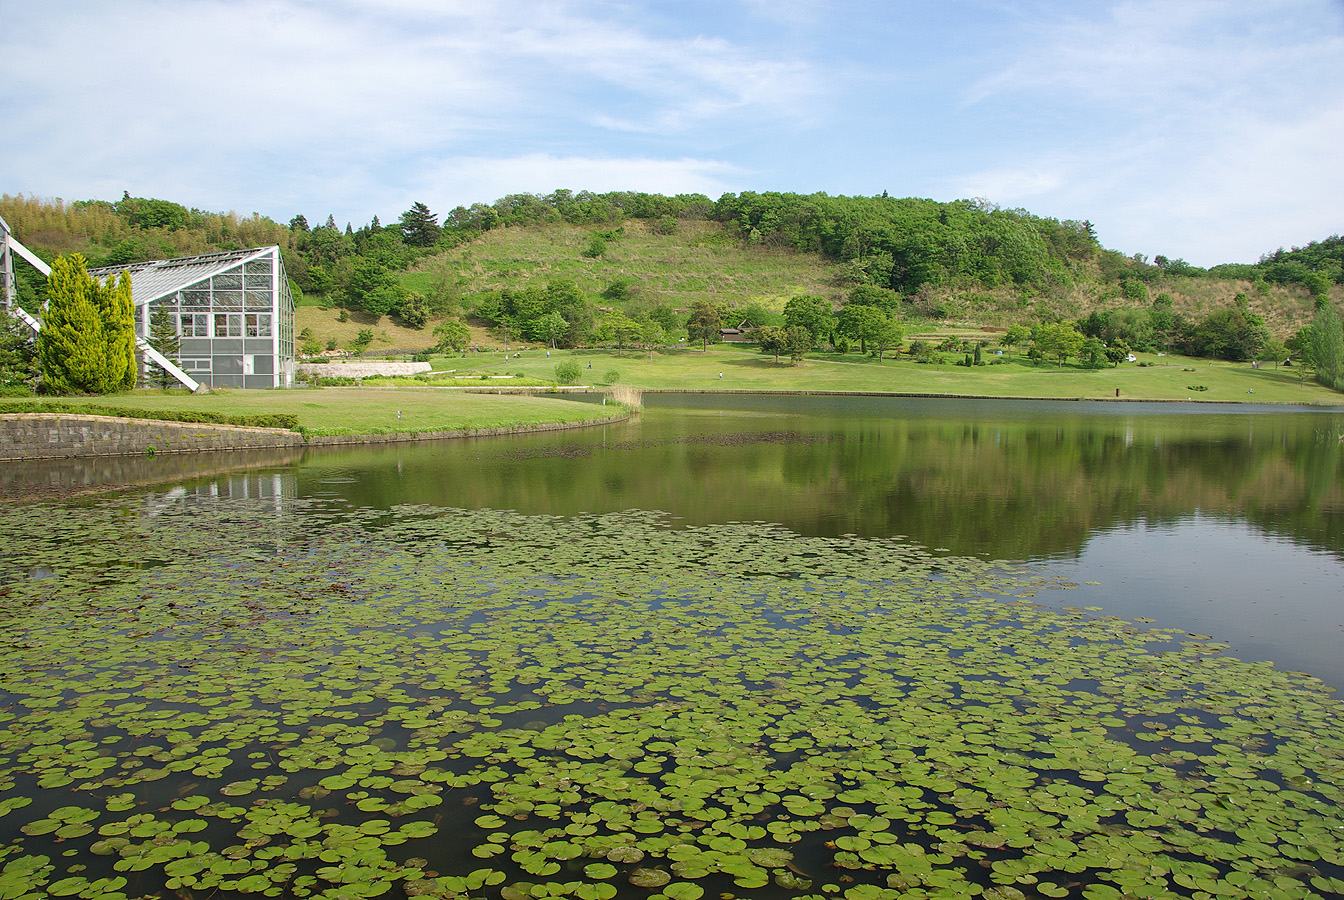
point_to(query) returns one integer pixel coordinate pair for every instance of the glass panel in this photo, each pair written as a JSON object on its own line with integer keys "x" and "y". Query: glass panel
{"x": 221, "y": 325}
{"x": 259, "y": 282}
{"x": 196, "y": 298}
{"x": 228, "y": 280}
{"x": 258, "y": 325}
{"x": 259, "y": 266}
{"x": 228, "y": 299}
{"x": 258, "y": 299}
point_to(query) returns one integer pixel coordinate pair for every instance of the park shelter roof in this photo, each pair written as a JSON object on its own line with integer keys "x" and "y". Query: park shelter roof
{"x": 160, "y": 277}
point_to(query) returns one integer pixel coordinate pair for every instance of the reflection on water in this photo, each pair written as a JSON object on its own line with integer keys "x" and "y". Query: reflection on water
{"x": 1225, "y": 520}
{"x": 1268, "y": 596}
{"x": 34, "y": 479}
{"x": 1004, "y": 480}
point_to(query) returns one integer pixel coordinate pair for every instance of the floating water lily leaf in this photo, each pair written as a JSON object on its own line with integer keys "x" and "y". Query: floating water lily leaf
{"x": 897, "y": 717}
{"x": 600, "y": 871}
{"x": 649, "y": 878}
{"x": 769, "y": 857}
{"x": 239, "y": 788}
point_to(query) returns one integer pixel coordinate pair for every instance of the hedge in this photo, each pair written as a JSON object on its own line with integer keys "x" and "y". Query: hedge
{"x": 287, "y": 421}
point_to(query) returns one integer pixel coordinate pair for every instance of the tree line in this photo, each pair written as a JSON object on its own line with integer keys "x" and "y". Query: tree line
{"x": 892, "y": 254}
{"x": 907, "y": 245}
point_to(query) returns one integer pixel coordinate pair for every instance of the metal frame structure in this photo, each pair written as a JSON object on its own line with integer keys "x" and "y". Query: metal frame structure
{"x": 9, "y": 291}
{"x": 9, "y": 297}
{"x": 233, "y": 313}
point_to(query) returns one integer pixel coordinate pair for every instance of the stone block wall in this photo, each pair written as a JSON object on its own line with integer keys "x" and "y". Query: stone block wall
{"x": 57, "y": 436}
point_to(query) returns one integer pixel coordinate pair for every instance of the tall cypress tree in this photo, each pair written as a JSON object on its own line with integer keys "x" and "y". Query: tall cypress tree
{"x": 87, "y": 342}
{"x": 118, "y": 309}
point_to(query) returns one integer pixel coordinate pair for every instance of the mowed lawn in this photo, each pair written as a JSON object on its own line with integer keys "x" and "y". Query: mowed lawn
{"x": 406, "y": 409}
{"x": 366, "y": 410}
{"x": 735, "y": 368}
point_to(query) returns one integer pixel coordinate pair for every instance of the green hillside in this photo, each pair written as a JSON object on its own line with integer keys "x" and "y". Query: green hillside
{"x": 700, "y": 260}
{"x": 583, "y": 269}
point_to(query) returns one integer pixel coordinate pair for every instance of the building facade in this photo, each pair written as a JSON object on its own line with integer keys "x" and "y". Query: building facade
{"x": 233, "y": 313}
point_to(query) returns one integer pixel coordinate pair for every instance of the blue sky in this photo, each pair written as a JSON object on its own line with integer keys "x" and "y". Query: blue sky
{"x": 1211, "y": 130}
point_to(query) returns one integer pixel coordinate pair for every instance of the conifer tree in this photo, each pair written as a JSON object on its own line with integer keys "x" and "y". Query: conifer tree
{"x": 163, "y": 337}
{"x": 118, "y": 309}
{"x": 87, "y": 342}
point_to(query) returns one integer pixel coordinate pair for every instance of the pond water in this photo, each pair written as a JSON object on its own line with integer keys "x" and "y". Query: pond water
{"x": 738, "y": 646}
{"x": 1222, "y": 519}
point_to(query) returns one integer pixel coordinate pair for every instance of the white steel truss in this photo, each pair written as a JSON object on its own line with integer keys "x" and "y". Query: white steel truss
{"x": 10, "y": 245}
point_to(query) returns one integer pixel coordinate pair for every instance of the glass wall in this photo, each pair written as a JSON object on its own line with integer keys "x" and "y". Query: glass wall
{"x": 235, "y": 326}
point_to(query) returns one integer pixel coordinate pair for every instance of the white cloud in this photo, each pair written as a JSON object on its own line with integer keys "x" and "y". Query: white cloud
{"x": 1198, "y": 128}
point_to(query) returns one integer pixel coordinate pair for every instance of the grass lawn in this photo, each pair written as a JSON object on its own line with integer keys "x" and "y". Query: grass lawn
{"x": 366, "y": 410}
{"x": 1169, "y": 378}
{"x": 374, "y": 410}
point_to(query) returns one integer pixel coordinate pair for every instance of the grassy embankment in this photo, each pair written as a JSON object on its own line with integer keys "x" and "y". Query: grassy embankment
{"x": 366, "y": 410}
{"x": 1169, "y": 378}
{"x": 373, "y": 409}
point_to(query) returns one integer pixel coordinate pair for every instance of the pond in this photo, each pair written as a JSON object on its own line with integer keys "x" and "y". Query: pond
{"x": 740, "y": 646}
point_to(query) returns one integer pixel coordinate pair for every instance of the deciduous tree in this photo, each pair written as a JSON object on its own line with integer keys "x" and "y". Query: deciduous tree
{"x": 452, "y": 335}
{"x": 1057, "y": 341}
{"x": 704, "y": 323}
{"x": 1327, "y": 345}
{"x": 811, "y": 313}
{"x": 551, "y": 327}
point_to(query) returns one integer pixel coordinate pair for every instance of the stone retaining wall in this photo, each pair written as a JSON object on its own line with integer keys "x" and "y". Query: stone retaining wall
{"x": 57, "y": 435}
{"x": 364, "y": 369}
{"x": 61, "y": 436}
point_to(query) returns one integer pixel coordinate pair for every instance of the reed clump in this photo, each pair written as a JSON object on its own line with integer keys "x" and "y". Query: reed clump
{"x": 626, "y": 395}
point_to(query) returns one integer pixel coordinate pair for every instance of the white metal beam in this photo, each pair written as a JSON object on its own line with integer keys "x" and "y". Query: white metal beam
{"x": 158, "y": 358}
{"x": 29, "y": 255}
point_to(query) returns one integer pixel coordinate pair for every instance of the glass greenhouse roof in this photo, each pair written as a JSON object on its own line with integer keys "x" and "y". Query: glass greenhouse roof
{"x": 160, "y": 277}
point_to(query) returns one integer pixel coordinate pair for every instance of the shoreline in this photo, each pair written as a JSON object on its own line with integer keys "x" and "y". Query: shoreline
{"x": 29, "y": 437}
{"x": 941, "y": 396}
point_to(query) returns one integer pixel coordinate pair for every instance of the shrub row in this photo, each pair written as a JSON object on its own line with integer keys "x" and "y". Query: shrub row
{"x": 267, "y": 420}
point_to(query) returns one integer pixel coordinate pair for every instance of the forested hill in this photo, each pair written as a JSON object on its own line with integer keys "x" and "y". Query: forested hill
{"x": 931, "y": 253}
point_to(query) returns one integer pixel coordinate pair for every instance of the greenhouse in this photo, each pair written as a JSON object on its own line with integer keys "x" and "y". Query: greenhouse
{"x": 233, "y": 313}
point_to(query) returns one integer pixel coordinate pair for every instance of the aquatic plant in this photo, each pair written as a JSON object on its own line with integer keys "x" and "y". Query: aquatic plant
{"x": 294, "y": 698}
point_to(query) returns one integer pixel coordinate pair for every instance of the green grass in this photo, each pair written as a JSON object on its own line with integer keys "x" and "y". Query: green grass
{"x": 701, "y": 260}
{"x": 329, "y": 411}
{"x": 707, "y": 261}
{"x": 745, "y": 369}
{"x": 367, "y": 410}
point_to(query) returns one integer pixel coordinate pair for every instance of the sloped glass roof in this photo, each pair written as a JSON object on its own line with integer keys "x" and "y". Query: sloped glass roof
{"x": 158, "y": 278}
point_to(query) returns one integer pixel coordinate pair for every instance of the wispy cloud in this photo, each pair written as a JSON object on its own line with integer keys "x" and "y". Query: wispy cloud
{"x": 1206, "y": 128}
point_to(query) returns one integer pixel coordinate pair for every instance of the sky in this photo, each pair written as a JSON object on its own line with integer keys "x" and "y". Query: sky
{"x": 1207, "y": 130}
